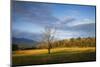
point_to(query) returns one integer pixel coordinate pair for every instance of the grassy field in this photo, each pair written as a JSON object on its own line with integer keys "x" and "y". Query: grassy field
{"x": 58, "y": 55}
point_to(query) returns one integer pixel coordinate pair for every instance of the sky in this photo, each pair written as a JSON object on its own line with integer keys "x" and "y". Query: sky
{"x": 71, "y": 21}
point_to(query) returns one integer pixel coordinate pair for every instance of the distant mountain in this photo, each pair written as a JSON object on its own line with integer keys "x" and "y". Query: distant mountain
{"x": 22, "y": 42}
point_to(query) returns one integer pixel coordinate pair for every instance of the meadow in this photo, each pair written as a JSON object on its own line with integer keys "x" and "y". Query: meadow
{"x": 58, "y": 55}
{"x": 44, "y": 33}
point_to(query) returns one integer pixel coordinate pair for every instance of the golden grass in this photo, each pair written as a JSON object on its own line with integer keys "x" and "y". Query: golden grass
{"x": 30, "y": 52}
{"x": 45, "y": 51}
{"x": 73, "y": 49}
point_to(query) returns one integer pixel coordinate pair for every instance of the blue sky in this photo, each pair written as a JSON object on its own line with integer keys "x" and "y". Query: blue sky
{"x": 30, "y": 18}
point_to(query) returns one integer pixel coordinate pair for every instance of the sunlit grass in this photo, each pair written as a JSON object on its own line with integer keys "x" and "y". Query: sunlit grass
{"x": 58, "y": 55}
{"x": 45, "y": 51}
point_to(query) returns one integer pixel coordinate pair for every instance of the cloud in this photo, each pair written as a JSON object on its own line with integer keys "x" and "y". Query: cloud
{"x": 27, "y": 35}
{"x": 85, "y": 30}
{"x": 67, "y": 20}
{"x": 37, "y": 13}
{"x": 81, "y": 21}
{"x": 40, "y": 14}
{"x": 85, "y": 27}
{"x": 64, "y": 22}
{"x": 63, "y": 34}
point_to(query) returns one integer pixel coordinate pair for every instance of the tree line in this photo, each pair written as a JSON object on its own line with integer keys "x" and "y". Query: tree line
{"x": 73, "y": 42}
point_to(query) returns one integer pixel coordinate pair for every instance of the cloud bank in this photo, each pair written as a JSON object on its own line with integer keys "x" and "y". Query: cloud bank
{"x": 30, "y": 17}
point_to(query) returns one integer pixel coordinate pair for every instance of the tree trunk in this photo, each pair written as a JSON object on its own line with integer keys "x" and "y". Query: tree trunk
{"x": 49, "y": 48}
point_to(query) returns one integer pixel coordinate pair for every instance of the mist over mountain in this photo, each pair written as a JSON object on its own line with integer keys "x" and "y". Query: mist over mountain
{"x": 23, "y": 42}
{"x": 26, "y": 35}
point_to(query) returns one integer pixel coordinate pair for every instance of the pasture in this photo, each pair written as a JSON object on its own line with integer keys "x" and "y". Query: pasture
{"x": 58, "y": 55}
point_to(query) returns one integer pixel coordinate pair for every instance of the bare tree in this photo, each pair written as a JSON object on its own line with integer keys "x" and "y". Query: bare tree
{"x": 49, "y": 37}
{"x": 49, "y": 34}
